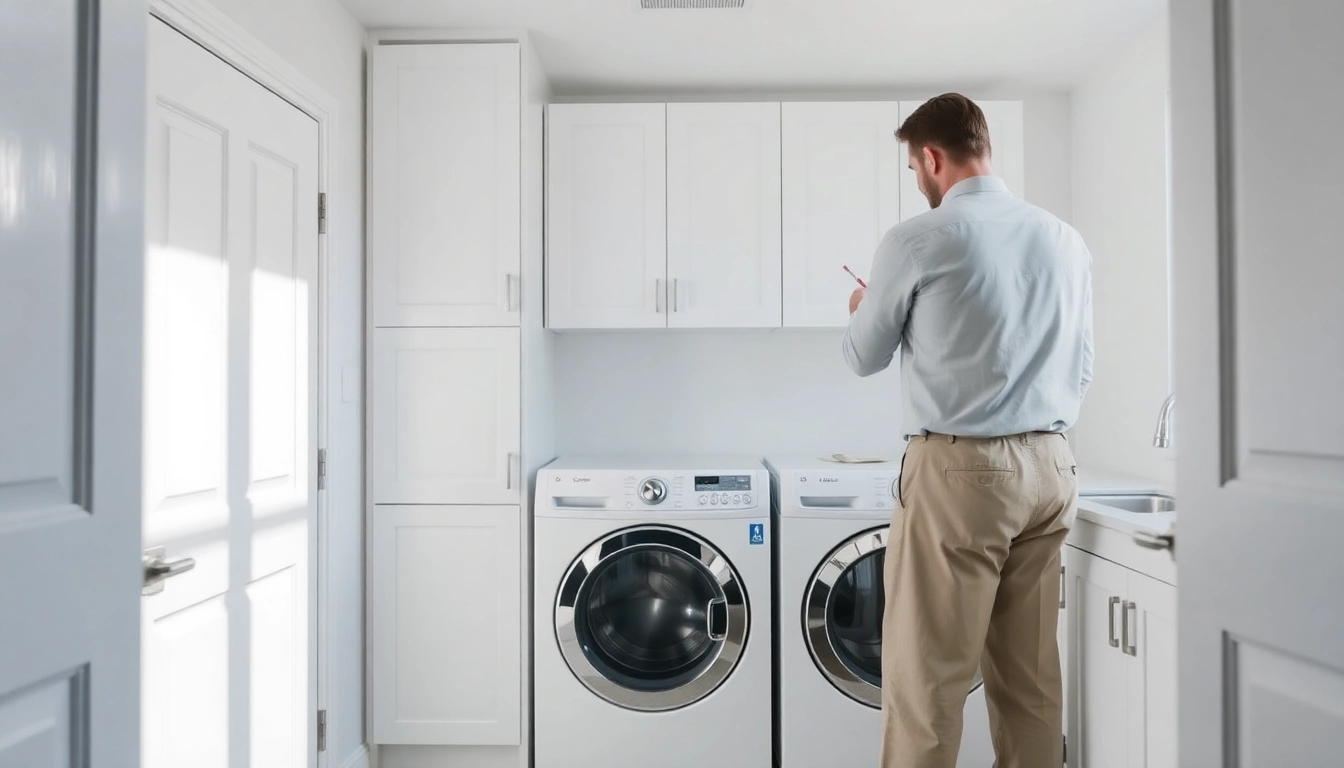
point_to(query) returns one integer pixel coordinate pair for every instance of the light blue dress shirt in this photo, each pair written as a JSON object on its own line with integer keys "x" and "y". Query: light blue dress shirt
{"x": 989, "y": 300}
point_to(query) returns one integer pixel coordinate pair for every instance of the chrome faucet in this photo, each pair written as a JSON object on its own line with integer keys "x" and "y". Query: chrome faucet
{"x": 1163, "y": 437}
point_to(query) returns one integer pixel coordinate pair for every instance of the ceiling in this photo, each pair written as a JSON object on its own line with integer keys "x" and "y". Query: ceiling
{"x": 597, "y": 46}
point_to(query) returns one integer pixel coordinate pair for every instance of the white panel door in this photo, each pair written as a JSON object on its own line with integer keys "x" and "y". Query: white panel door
{"x": 446, "y": 416}
{"x": 841, "y": 165}
{"x": 447, "y": 627}
{"x": 1258, "y": 278}
{"x": 1007, "y": 144}
{"x": 444, "y": 204}
{"x": 606, "y": 258}
{"x": 70, "y": 324}
{"x": 723, "y": 215}
{"x": 1099, "y": 670}
{"x": 1151, "y": 625}
{"x": 229, "y": 413}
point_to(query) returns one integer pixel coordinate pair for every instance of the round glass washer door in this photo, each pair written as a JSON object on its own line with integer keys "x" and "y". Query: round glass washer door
{"x": 651, "y": 618}
{"x": 842, "y": 617}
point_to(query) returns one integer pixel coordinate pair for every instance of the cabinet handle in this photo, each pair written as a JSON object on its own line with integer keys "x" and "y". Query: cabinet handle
{"x": 676, "y": 295}
{"x": 658, "y": 295}
{"x": 1110, "y": 620}
{"x": 511, "y": 285}
{"x": 1155, "y": 541}
{"x": 1063, "y": 584}
{"x": 1129, "y": 609}
{"x": 508, "y": 471}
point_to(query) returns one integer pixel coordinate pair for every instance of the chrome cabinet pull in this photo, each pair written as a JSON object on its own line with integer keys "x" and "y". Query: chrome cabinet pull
{"x": 1063, "y": 584}
{"x": 1110, "y": 617}
{"x": 1129, "y": 609}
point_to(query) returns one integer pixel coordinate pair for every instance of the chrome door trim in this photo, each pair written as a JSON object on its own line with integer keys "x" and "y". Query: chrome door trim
{"x": 816, "y": 601}
{"x": 653, "y": 538}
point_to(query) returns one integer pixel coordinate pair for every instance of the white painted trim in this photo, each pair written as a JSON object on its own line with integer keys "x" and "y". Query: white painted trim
{"x": 361, "y": 758}
{"x": 441, "y": 35}
{"x": 217, "y": 33}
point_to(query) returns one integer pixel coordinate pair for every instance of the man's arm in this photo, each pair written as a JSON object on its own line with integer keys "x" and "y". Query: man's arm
{"x": 876, "y": 327}
{"x": 1087, "y": 330}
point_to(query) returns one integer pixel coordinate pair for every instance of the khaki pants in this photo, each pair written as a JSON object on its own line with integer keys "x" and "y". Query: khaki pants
{"x": 972, "y": 579}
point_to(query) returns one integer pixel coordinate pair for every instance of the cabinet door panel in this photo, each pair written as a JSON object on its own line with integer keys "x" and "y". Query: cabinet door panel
{"x": 446, "y": 614}
{"x": 723, "y": 211}
{"x": 1099, "y": 679}
{"x": 444, "y": 200}
{"x": 446, "y": 416}
{"x": 841, "y": 166}
{"x": 1152, "y": 706}
{"x": 606, "y": 216}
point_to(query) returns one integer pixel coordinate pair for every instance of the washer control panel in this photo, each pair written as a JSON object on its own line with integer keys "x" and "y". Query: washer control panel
{"x": 655, "y": 490}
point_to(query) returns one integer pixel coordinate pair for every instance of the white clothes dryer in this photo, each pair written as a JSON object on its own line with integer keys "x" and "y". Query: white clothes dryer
{"x": 831, "y": 524}
{"x": 652, "y": 615}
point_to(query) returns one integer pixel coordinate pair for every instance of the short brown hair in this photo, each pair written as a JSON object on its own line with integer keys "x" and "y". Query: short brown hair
{"x": 950, "y": 122}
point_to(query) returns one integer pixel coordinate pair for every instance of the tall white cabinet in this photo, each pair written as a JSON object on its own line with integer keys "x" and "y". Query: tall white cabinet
{"x": 444, "y": 185}
{"x": 454, "y": 264}
{"x": 728, "y": 215}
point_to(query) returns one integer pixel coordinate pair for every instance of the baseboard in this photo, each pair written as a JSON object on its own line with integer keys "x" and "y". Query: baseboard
{"x": 360, "y": 758}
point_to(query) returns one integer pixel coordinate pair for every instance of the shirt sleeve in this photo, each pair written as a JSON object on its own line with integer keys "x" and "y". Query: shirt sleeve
{"x": 1087, "y": 329}
{"x": 878, "y": 325}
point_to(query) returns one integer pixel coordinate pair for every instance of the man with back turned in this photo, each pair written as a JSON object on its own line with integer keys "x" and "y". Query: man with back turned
{"x": 988, "y": 300}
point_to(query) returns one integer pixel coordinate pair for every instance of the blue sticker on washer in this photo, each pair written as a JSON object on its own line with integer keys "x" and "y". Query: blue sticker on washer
{"x": 756, "y": 532}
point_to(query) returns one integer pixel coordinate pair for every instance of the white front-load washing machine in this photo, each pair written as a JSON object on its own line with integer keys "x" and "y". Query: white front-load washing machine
{"x": 831, "y": 522}
{"x": 652, "y": 623}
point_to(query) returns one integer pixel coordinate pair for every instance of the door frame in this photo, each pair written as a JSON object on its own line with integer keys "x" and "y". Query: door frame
{"x": 211, "y": 29}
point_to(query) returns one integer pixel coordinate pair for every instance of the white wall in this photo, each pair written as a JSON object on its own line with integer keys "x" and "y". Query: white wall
{"x": 324, "y": 42}
{"x": 760, "y": 392}
{"x": 1120, "y": 206}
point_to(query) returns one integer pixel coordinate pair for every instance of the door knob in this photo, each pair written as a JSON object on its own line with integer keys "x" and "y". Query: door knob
{"x": 157, "y": 568}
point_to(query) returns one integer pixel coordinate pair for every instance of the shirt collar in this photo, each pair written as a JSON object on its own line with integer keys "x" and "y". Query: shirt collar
{"x": 976, "y": 184}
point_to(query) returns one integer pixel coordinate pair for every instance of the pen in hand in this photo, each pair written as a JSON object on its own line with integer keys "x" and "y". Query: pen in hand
{"x": 856, "y": 277}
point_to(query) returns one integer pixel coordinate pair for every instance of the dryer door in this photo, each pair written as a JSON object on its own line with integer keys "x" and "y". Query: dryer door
{"x": 651, "y": 618}
{"x": 842, "y": 617}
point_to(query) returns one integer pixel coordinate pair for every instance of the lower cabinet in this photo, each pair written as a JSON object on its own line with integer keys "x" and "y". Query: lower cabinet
{"x": 1120, "y": 666}
{"x": 446, "y": 615}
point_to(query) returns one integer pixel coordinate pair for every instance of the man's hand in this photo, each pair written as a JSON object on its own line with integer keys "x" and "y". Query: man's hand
{"x": 854, "y": 299}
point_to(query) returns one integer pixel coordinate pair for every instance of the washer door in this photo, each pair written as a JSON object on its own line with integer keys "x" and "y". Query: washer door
{"x": 842, "y": 617}
{"x": 651, "y": 618}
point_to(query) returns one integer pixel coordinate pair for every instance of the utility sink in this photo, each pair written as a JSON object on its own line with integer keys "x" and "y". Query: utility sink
{"x": 1143, "y": 503}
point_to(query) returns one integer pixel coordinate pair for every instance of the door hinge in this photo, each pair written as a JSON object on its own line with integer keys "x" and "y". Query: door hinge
{"x": 321, "y": 730}
{"x": 321, "y": 213}
{"x": 1063, "y": 588}
{"x": 321, "y": 468}
{"x": 1066, "y": 750}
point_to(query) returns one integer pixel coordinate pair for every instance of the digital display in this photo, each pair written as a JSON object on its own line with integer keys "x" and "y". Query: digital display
{"x": 723, "y": 482}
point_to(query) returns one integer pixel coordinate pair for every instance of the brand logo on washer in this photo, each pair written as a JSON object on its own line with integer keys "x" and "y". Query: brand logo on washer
{"x": 756, "y": 533}
{"x": 582, "y": 479}
{"x": 828, "y": 480}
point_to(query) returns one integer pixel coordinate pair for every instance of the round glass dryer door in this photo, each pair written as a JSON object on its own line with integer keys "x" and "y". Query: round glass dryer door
{"x": 842, "y": 617}
{"x": 651, "y": 618}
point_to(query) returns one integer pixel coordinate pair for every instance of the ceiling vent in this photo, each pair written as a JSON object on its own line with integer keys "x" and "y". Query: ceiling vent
{"x": 693, "y": 5}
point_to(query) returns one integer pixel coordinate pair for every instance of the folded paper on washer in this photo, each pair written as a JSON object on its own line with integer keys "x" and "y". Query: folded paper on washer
{"x": 840, "y": 458}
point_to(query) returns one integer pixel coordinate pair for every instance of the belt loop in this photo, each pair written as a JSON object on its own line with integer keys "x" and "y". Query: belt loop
{"x": 951, "y": 438}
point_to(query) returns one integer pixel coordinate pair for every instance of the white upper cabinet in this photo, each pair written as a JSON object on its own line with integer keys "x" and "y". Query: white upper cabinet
{"x": 606, "y": 216}
{"x": 1006, "y": 143}
{"x": 841, "y": 175}
{"x": 723, "y": 215}
{"x": 445, "y": 416}
{"x": 443, "y": 202}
